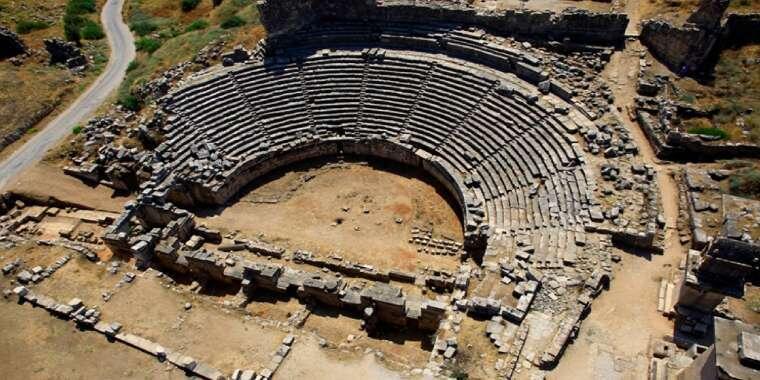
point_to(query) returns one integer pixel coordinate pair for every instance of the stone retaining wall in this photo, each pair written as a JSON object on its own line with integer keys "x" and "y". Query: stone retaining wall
{"x": 572, "y": 24}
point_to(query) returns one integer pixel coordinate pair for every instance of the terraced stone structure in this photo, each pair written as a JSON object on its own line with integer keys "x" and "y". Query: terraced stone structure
{"x": 488, "y": 121}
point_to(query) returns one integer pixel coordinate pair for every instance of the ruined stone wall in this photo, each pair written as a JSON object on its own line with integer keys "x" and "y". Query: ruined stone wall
{"x": 692, "y": 47}
{"x": 16, "y": 134}
{"x": 741, "y": 29}
{"x": 676, "y": 145}
{"x": 697, "y": 298}
{"x": 683, "y": 49}
{"x": 573, "y": 24}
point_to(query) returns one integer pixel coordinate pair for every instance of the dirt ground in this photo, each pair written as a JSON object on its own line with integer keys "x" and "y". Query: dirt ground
{"x": 92, "y": 280}
{"x": 399, "y": 346}
{"x": 347, "y": 209}
{"x": 44, "y": 181}
{"x": 221, "y": 338}
{"x": 35, "y": 345}
{"x": 333, "y": 364}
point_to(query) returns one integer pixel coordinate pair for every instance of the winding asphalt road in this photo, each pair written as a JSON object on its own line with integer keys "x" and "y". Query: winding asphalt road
{"x": 122, "y": 53}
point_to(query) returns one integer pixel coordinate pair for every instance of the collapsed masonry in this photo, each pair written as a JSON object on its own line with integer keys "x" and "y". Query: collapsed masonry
{"x": 724, "y": 256}
{"x": 66, "y": 53}
{"x": 376, "y": 302}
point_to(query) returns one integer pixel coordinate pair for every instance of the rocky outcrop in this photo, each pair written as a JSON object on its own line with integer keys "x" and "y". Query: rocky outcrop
{"x": 571, "y": 24}
{"x": 65, "y": 52}
{"x": 10, "y": 44}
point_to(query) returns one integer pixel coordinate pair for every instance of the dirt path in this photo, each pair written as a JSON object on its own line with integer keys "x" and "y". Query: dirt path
{"x": 122, "y": 52}
{"x": 621, "y": 74}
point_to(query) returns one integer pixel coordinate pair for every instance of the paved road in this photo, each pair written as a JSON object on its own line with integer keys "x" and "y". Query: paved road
{"x": 122, "y": 52}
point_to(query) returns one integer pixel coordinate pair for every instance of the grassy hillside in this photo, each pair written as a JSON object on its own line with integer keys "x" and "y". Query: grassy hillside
{"x": 166, "y": 34}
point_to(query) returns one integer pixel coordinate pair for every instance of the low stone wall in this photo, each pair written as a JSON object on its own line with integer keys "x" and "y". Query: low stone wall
{"x": 571, "y": 24}
{"x": 16, "y": 134}
{"x": 167, "y": 228}
{"x": 683, "y": 146}
{"x": 388, "y": 302}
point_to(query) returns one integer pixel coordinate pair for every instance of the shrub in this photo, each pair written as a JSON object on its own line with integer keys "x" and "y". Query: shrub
{"x": 709, "y": 131}
{"x": 133, "y": 65}
{"x": 189, "y": 5}
{"x": 92, "y": 31}
{"x": 74, "y": 22}
{"x": 99, "y": 58}
{"x": 232, "y": 22}
{"x": 745, "y": 183}
{"x": 72, "y": 25}
{"x": 76, "y": 130}
{"x": 148, "y": 45}
{"x": 79, "y": 7}
{"x": 28, "y": 26}
{"x": 197, "y": 25}
{"x": 130, "y": 102}
{"x": 143, "y": 27}
{"x": 169, "y": 33}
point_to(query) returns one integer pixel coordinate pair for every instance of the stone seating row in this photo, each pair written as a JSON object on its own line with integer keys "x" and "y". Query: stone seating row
{"x": 515, "y": 148}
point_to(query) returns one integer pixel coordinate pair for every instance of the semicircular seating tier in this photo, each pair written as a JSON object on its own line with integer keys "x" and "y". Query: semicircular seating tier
{"x": 507, "y": 154}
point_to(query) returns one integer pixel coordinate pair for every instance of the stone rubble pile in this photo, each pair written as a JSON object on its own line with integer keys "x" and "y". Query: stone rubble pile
{"x": 427, "y": 244}
{"x": 66, "y": 53}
